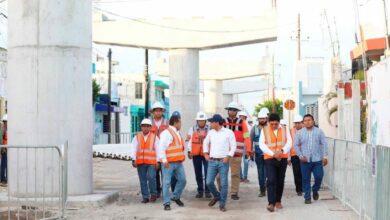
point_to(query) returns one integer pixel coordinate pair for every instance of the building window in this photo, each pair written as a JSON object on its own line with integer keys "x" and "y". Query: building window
{"x": 138, "y": 90}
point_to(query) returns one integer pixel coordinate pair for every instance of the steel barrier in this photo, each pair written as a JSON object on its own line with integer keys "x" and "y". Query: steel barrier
{"x": 358, "y": 175}
{"x": 37, "y": 182}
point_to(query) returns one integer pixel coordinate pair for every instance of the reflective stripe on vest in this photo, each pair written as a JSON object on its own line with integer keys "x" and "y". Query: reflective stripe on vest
{"x": 275, "y": 143}
{"x": 175, "y": 151}
{"x": 146, "y": 153}
{"x": 238, "y": 130}
{"x": 197, "y": 139}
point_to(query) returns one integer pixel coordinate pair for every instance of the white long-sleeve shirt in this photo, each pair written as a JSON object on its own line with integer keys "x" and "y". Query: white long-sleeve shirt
{"x": 134, "y": 145}
{"x": 220, "y": 144}
{"x": 265, "y": 147}
{"x": 165, "y": 140}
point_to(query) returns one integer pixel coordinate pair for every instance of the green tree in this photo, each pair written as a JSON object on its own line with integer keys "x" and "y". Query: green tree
{"x": 269, "y": 104}
{"x": 95, "y": 91}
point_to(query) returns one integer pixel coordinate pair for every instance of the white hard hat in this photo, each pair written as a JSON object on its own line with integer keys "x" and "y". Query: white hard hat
{"x": 242, "y": 113}
{"x": 5, "y": 118}
{"x": 298, "y": 118}
{"x": 201, "y": 116}
{"x": 283, "y": 122}
{"x": 146, "y": 121}
{"x": 157, "y": 105}
{"x": 263, "y": 113}
{"x": 233, "y": 105}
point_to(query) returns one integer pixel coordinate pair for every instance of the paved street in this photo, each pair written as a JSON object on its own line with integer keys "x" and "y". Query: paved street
{"x": 119, "y": 175}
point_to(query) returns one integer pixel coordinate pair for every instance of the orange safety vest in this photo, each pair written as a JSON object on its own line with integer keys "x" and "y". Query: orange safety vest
{"x": 241, "y": 133}
{"x": 157, "y": 130}
{"x": 146, "y": 153}
{"x": 292, "y": 151}
{"x": 5, "y": 138}
{"x": 273, "y": 142}
{"x": 197, "y": 139}
{"x": 175, "y": 150}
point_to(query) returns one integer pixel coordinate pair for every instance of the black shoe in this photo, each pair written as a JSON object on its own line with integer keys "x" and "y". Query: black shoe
{"x": 299, "y": 193}
{"x": 199, "y": 195}
{"x": 307, "y": 201}
{"x": 262, "y": 194}
{"x": 234, "y": 197}
{"x": 208, "y": 195}
{"x": 316, "y": 196}
{"x": 145, "y": 200}
{"x": 222, "y": 208}
{"x": 178, "y": 202}
{"x": 213, "y": 202}
{"x": 167, "y": 207}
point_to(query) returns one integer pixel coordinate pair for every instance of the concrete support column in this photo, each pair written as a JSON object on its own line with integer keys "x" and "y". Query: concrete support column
{"x": 213, "y": 98}
{"x": 356, "y": 98}
{"x": 340, "y": 113}
{"x": 184, "y": 84}
{"x": 49, "y": 91}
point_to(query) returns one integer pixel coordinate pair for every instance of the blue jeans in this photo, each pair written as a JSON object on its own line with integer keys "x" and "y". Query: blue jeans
{"x": 199, "y": 163}
{"x": 176, "y": 170}
{"x": 318, "y": 172}
{"x": 214, "y": 168}
{"x": 259, "y": 159}
{"x": 147, "y": 180}
{"x": 3, "y": 168}
{"x": 244, "y": 169}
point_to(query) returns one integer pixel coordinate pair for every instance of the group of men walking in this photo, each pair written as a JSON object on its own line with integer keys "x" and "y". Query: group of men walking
{"x": 159, "y": 150}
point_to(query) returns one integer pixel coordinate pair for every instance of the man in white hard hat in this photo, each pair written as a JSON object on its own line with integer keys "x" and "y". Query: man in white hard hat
{"x": 3, "y": 153}
{"x": 144, "y": 157}
{"x": 294, "y": 159}
{"x": 262, "y": 117}
{"x": 195, "y": 138}
{"x": 245, "y": 164}
{"x": 241, "y": 133}
{"x": 159, "y": 124}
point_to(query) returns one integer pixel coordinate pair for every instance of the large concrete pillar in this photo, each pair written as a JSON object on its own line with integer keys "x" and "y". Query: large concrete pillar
{"x": 184, "y": 84}
{"x": 49, "y": 90}
{"x": 213, "y": 98}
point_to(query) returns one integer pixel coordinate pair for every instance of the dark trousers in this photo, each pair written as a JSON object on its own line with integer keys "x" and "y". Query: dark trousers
{"x": 259, "y": 159}
{"x": 159, "y": 180}
{"x": 199, "y": 163}
{"x": 3, "y": 168}
{"x": 318, "y": 172}
{"x": 276, "y": 172}
{"x": 296, "y": 166}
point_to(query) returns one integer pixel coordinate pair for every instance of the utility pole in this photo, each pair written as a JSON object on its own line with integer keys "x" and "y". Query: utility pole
{"x": 299, "y": 36}
{"x": 146, "y": 83}
{"x": 273, "y": 84}
{"x": 387, "y": 28}
{"x": 109, "y": 94}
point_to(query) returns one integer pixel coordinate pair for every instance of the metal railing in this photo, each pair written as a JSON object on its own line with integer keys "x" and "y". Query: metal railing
{"x": 359, "y": 175}
{"x": 113, "y": 138}
{"x": 37, "y": 182}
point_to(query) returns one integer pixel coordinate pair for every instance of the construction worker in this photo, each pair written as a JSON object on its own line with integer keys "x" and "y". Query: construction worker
{"x": 293, "y": 158}
{"x": 245, "y": 164}
{"x": 171, "y": 153}
{"x": 143, "y": 153}
{"x": 195, "y": 137}
{"x": 259, "y": 159}
{"x": 241, "y": 133}
{"x": 219, "y": 147}
{"x": 3, "y": 154}
{"x": 311, "y": 147}
{"x": 159, "y": 124}
{"x": 275, "y": 142}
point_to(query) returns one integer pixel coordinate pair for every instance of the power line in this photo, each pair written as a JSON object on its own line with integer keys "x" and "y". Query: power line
{"x": 185, "y": 29}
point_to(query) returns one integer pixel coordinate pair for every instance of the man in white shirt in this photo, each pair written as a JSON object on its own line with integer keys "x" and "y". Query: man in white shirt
{"x": 143, "y": 153}
{"x": 172, "y": 154}
{"x": 275, "y": 142}
{"x": 218, "y": 147}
